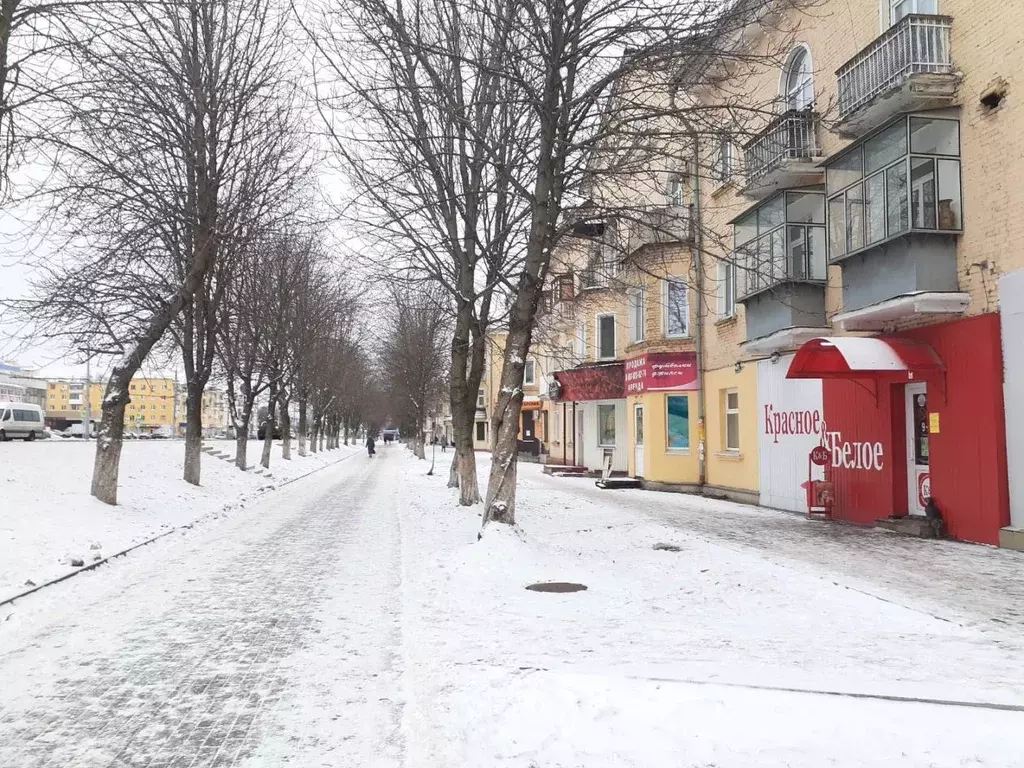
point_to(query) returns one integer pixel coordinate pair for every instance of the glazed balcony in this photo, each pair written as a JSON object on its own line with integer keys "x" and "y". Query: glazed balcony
{"x": 906, "y": 69}
{"x": 784, "y": 155}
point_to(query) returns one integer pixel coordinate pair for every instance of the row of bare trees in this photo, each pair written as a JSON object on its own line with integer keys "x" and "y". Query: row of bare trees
{"x": 180, "y": 176}
{"x": 476, "y": 133}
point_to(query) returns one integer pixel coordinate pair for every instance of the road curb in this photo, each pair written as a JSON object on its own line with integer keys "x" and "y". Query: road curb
{"x": 183, "y": 527}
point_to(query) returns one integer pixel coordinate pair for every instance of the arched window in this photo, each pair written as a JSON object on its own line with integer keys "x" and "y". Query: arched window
{"x": 798, "y": 80}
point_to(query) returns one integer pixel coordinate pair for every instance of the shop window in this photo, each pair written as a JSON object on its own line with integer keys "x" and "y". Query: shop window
{"x": 678, "y": 422}
{"x": 783, "y": 239}
{"x": 677, "y": 309}
{"x": 732, "y": 420}
{"x": 606, "y": 425}
{"x": 637, "y": 315}
{"x": 905, "y": 178}
{"x": 481, "y": 431}
{"x": 530, "y": 373}
{"x": 606, "y": 337}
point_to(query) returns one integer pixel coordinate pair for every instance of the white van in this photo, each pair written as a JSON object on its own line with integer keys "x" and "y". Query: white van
{"x": 23, "y": 420}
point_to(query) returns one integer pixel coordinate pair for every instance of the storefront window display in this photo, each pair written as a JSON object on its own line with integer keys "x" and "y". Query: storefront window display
{"x": 678, "y": 422}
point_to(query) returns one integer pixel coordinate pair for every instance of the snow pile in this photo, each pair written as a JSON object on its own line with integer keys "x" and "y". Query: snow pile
{"x": 48, "y": 519}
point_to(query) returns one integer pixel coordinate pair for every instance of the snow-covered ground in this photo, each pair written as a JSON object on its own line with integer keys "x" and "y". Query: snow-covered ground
{"x": 48, "y": 518}
{"x": 354, "y": 619}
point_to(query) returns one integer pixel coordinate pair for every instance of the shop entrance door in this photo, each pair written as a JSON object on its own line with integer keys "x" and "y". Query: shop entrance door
{"x": 918, "y": 477}
{"x": 638, "y": 441}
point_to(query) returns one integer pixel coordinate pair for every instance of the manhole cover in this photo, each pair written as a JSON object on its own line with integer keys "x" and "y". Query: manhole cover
{"x": 557, "y": 586}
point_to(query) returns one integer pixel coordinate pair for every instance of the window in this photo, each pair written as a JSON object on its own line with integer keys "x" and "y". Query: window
{"x": 726, "y": 288}
{"x": 480, "y": 398}
{"x": 732, "y": 420}
{"x": 530, "y": 372}
{"x": 906, "y": 177}
{"x": 606, "y": 337}
{"x": 637, "y": 315}
{"x": 798, "y": 80}
{"x": 606, "y": 425}
{"x": 725, "y": 160}
{"x": 581, "y": 341}
{"x": 676, "y": 192}
{"x": 898, "y": 9}
{"x": 564, "y": 288}
{"x": 783, "y": 239}
{"x": 677, "y": 309}
{"x": 678, "y": 412}
{"x": 481, "y": 431}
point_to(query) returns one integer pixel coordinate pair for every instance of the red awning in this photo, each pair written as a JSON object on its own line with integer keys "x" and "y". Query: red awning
{"x": 850, "y": 357}
{"x": 591, "y": 382}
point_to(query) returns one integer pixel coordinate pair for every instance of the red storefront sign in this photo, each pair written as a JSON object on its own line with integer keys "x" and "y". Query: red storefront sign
{"x": 660, "y": 371}
{"x": 591, "y": 382}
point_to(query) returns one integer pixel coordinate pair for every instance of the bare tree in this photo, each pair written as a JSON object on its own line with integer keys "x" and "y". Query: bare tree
{"x": 427, "y": 129}
{"x": 181, "y": 140}
{"x": 413, "y": 356}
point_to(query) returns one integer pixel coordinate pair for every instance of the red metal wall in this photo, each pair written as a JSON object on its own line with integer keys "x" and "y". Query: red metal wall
{"x": 967, "y": 456}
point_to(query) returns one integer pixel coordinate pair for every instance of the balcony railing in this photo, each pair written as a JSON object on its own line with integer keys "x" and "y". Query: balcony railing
{"x": 793, "y": 135}
{"x": 792, "y": 253}
{"x": 915, "y": 45}
{"x": 599, "y": 274}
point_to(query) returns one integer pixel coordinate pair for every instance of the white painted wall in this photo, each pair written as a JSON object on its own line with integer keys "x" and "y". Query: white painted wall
{"x": 1011, "y": 303}
{"x": 783, "y": 457}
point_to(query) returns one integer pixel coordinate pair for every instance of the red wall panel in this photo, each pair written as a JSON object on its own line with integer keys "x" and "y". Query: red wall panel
{"x": 967, "y": 456}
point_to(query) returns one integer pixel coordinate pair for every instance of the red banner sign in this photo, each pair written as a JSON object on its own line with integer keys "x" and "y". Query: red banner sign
{"x": 590, "y": 382}
{"x": 660, "y": 371}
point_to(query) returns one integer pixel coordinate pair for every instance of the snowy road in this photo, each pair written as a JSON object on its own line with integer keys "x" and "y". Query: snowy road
{"x": 179, "y": 660}
{"x": 354, "y": 620}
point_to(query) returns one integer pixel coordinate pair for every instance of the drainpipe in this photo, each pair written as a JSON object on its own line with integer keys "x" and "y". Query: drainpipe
{"x": 698, "y": 262}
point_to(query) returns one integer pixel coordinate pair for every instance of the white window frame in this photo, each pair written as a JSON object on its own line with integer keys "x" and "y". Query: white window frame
{"x": 665, "y": 315}
{"x": 476, "y": 437}
{"x": 797, "y": 97}
{"x": 726, "y": 282}
{"x": 530, "y": 373}
{"x": 637, "y": 315}
{"x": 725, "y": 159}
{"x": 735, "y": 412}
{"x": 888, "y": 10}
{"x": 676, "y": 193}
{"x": 481, "y": 401}
{"x": 600, "y": 425}
{"x": 581, "y": 336}
{"x": 598, "y": 339}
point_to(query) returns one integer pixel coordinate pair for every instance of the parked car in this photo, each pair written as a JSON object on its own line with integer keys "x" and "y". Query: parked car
{"x": 23, "y": 420}
{"x": 76, "y": 430}
{"x": 261, "y": 433}
{"x": 162, "y": 433}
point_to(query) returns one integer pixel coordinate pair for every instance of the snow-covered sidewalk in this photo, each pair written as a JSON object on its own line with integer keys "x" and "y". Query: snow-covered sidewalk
{"x": 354, "y": 619}
{"x": 48, "y": 518}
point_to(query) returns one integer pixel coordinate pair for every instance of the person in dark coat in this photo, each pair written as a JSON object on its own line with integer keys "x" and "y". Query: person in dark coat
{"x": 369, "y": 445}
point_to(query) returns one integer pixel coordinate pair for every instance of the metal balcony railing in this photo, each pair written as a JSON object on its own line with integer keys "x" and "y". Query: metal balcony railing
{"x": 659, "y": 224}
{"x": 916, "y": 44}
{"x": 793, "y": 135}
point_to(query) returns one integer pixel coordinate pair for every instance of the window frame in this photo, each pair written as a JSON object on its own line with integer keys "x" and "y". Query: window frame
{"x": 666, "y": 313}
{"x": 723, "y": 167}
{"x": 902, "y": 163}
{"x": 760, "y": 246}
{"x": 615, "y": 341}
{"x": 726, "y": 298}
{"x": 800, "y": 54}
{"x": 481, "y": 399}
{"x": 530, "y": 372}
{"x": 890, "y": 12}
{"x": 600, "y": 426}
{"x": 669, "y": 448}
{"x": 731, "y": 413}
{"x": 637, "y": 303}
{"x": 477, "y": 433}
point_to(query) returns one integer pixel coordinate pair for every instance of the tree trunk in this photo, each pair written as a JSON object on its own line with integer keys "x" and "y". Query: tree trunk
{"x": 302, "y": 427}
{"x": 286, "y": 426}
{"x": 268, "y": 429}
{"x": 193, "y": 431}
{"x": 109, "y": 436}
{"x": 242, "y": 436}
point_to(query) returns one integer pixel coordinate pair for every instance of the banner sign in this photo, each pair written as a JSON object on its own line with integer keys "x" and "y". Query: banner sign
{"x": 590, "y": 382}
{"x": 661, "y": 371}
